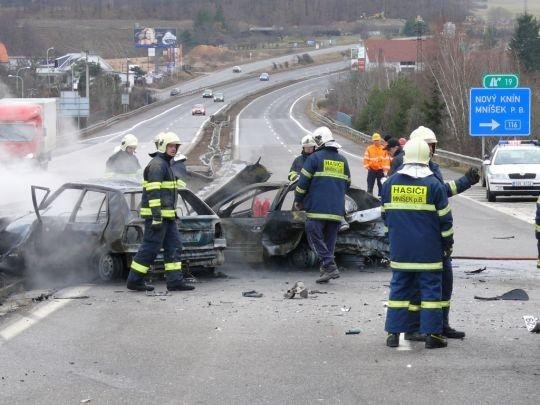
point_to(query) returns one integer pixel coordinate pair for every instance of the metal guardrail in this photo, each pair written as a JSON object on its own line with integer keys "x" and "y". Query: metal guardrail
{"x": 365, "y": 138}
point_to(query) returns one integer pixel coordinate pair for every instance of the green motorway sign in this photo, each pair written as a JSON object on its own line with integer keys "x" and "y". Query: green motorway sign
{"x": 500, "y": 81}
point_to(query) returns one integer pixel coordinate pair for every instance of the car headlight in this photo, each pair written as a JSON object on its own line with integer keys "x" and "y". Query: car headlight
{"x": 498, "y": 176}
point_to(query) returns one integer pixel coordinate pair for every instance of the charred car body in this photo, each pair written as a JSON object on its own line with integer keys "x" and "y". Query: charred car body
{"x": 258, "y": 222}
{"x": 98, "y": 224}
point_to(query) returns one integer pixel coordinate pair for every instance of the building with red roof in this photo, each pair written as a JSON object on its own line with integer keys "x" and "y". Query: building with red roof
{"x": 396, "y": 54}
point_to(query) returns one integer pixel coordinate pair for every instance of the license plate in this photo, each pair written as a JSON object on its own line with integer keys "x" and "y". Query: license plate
{"x": 522, "y": 183}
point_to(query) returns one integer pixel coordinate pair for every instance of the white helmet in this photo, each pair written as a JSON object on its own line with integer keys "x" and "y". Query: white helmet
{"x": 322, "y": 135}
{"x": 129, "y": 140}
{"x": 416, "y": 151}
{"x": 425, "y": 134}
{"x": 308, "y": 141}
{"x": 166, "y": 138}
{"x": 157, "y": 138}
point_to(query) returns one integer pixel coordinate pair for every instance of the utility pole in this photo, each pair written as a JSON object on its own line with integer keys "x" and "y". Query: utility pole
{"x": 87, "y": 83}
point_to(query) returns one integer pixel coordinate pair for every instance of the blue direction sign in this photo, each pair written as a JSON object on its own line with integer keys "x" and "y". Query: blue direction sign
{"x": 500, "y": 112}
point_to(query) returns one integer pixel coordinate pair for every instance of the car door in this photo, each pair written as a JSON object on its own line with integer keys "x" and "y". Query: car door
{"x": 243, "y": 218}
{"x": 84, "y": 232}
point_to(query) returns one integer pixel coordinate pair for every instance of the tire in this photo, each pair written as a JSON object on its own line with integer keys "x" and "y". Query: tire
{"x": 109, "y": 267}
{"x": 490, "y": 195}
{"x": 302, "y": 257}
{"x": 483, "y": 181}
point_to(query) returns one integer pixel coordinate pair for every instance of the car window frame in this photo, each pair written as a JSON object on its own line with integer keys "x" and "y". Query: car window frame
{"x": 79, "y": 203}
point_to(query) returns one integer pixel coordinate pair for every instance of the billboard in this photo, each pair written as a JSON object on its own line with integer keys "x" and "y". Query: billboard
{"x": 149, "y": 37}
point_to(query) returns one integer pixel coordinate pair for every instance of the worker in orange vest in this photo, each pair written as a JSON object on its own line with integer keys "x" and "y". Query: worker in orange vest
{"x": 377, "y": 163}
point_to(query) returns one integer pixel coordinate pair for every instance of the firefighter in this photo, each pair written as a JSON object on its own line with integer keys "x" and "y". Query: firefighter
{"x": 308, "y": 147}
{"x": 538, "y": 231}
{"x": 324, "y": 180}
{"x": 160, "y": 229}
{"x": 377, "y": 163}
{"x": 124, "y": 163}
{"x": 419, "y": 223}
{"x": 452, "y": 188}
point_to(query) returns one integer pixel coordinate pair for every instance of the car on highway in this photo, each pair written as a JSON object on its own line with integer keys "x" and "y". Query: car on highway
{"x": 198, "y": 109}
{"x": 208, "y": 93}
{"x": 258, "y": 222}
{"x": 236, "y": 69}
{"x": 96, "y": 226}
{"x": 219, "y": 97}
{"x": 175, "y": 92}
{"x": 513, "y": 168}
{"x": 264, "y": 77}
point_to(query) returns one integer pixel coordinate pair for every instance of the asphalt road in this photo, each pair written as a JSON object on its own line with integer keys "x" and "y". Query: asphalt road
{"x": 214, "y": 346}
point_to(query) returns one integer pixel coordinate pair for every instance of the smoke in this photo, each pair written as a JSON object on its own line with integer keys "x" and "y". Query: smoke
{"x": 5, "y": 91}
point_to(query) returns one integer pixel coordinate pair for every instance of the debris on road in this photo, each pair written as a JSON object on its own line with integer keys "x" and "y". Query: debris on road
{"x": 516, "y": 294}
{"x": 157, "y": 293}
{"x": 298, "y": 288}
{"x": 252, "y": 294}
{"x": 317, "y": 292}
{"x": 504, "y": 237}
{"x": 73, "y": 297}
{"x": 532, "y": 323}
{"x": 346, "y": 309}
{"x": 354, "y": 331}
{"x": 480, "y": 270}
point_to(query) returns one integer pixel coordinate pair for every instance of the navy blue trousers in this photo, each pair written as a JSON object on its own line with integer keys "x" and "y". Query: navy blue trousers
{"x": 322, "y": 237}
{"x": 167, "y": 237}
{"x": 373, "y": 175}
{"x": 403, "y": 287}
{"x": 446, "y": 296}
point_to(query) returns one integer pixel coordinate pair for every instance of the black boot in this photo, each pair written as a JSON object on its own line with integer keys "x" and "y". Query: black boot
{"x": 135, "y": 282}
{"x": 434, "y": 341}
{"x": 175, "y": 282}
{"x": 330, "y": 271}
{"x": 451, "y": 333}
{"x": 392, "y": 340}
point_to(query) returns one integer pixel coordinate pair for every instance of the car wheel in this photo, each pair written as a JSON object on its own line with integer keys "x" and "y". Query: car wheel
{"x": 302, "y": 257}
{"x": 490, "y": 195}
{"x": 110, "y": 267}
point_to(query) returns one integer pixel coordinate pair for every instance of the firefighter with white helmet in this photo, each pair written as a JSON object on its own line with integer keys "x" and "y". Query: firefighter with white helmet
{"x": 308, "y": 147}
{"x": 419, "y": 223}
{"x": 158, "y": 205}
{"x": 321, "y": 188}
{"x": 124, "y": 163}
{"x": 452, "y": 188}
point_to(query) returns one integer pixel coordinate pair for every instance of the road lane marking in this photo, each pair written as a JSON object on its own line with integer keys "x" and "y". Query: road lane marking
{"x": 40, "y": 313}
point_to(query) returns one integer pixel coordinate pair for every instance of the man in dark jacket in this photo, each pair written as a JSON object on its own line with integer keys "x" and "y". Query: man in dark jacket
{"x": 538, "y": 231}
{"x": 396, "y": 153}
{"x": 324, "y": 180}
{"x": 158, "y": 205}
{"x": 308, "y": 147}
{"x": 124, "y": 163}
{"x": 419, "y": 222}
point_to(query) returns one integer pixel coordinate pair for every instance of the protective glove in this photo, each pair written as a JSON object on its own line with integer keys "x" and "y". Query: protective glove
{"x": 473, "y": 175}
{"x": 156, "y": 225}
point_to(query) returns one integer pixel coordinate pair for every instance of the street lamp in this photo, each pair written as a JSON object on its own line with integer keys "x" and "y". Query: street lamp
{"x": 48, "y": 71}
{"x": 19, "y": 75}
{"x": 22, "y": 83}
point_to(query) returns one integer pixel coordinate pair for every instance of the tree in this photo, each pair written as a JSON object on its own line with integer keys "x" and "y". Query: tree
{"x": 433, "y": 110}
{"x": 186, "y": 38}
{"x": 526, "y": 42}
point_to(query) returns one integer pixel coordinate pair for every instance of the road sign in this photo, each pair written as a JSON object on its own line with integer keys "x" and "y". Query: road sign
{"x": 500, "y": 81}
{"x": 500, "y": 112}
{"x": 125, "y": 99}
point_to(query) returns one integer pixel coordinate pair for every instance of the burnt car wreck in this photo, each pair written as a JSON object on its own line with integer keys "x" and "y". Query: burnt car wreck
{"x": 97, "y": 225}
{"x": 259, "y": 223}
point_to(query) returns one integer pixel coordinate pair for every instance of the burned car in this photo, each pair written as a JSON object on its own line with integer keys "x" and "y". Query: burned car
{"x": 259, "y": 223}
{"x": 97, "y": 225}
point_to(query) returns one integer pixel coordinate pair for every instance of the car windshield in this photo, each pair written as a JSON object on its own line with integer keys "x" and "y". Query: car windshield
{"x": 219, "y": 94}
{"x": 518, "y": 156}
{"x": 198, "y": 106}
{"x": 17, "y": 132}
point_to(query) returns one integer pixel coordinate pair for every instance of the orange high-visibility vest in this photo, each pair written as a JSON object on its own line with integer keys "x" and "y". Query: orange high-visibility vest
{"x": 376, "y": 158}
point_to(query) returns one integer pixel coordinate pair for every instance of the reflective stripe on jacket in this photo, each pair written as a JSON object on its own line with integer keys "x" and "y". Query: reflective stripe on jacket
{"x": 376, "y": 158}
{"x": 324, "y": 180}
{"x": 419, "y": 222}
{"x": 159, "y": 189}
{"x": 296, "y": 166}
